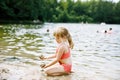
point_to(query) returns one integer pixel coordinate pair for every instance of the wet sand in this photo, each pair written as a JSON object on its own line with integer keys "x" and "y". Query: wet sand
{"x": 21, "y": 71}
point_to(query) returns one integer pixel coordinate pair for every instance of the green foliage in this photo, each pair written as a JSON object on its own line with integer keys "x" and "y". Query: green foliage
{"x": 19, "y": 9}
{"x": 60, "y": 10}
{"x": 104, "y": 11}
{"x": 117, "y": 13}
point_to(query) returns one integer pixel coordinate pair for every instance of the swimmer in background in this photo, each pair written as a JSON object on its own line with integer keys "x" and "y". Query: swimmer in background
{"x": 109, "y": 31}
{"x": 105, "y": 31}
{"x": 97, "y": 31}
{"x": 47, "y": 30}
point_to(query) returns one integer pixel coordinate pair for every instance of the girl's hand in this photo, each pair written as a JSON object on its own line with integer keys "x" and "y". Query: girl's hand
{"x": 45, "y": 66}
{"x": 42, "y": 65}
{"x": 42, "y": 57}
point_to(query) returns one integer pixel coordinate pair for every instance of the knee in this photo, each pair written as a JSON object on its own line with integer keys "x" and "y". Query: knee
{"x": 47, "y": 71}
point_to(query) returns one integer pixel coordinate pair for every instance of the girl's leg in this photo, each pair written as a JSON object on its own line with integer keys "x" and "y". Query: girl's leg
{"x": 55, "y": 70}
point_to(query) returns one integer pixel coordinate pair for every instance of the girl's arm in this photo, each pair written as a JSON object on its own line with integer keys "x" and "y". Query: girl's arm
{"x": 43, "y": 58}
{"x": 58, "y": 57}
{"x": 50, "y": 57}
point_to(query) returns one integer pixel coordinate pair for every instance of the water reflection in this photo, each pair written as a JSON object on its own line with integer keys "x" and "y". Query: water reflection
{"x": 94, "y": 55}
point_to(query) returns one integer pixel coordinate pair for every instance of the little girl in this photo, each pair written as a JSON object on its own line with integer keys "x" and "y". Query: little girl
{"x": 62, "y": 56}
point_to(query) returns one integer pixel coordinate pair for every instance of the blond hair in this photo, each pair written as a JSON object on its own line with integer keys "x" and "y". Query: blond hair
{"x": 63, "y": 32}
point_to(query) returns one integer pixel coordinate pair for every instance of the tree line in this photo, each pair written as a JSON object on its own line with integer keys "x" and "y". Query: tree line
{"x": 91, "y": 11}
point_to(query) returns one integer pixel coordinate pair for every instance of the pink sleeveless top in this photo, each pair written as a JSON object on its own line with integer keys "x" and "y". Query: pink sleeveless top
{"x": 65, "y": 55}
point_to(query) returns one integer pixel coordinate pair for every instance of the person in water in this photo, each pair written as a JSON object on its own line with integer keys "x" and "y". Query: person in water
{"x": 105, "y": 31}
{"x": 47, "y": 30}
{"x": 62, "y": 56}
{"x": 109, "y": 31}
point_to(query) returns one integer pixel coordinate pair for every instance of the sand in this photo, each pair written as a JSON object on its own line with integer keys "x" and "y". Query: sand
{"x": 26, "y": 72}
{"x": 21, "y": 71}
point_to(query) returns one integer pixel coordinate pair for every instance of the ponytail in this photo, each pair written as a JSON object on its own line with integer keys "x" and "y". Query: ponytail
{"x": 70, "y": 41}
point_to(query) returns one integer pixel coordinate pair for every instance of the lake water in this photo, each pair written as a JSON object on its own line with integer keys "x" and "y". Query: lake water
{"x": 94, "y": 55}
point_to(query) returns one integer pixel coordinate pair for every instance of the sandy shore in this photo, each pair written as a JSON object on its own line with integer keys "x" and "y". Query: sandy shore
{"x": 25, "y": 72}
{"x": 21, "y": 71}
